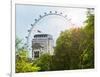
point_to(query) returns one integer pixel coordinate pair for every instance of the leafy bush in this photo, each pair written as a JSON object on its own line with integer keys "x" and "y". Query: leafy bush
{"x": 43, "y": 62}
{"x": 23, "y": 64}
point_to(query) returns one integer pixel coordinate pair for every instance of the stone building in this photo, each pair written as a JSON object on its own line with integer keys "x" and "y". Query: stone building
{"x": 42, "y": 43}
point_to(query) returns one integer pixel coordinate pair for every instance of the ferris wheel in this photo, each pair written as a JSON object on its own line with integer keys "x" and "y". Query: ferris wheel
{"x": 28, "y": 45}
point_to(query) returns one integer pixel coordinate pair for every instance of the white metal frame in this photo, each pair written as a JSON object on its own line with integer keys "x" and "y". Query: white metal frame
{"x": 72, "y": 73}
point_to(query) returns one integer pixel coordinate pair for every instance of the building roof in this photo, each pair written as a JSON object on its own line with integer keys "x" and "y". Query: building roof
{"x": 42, "y": 35}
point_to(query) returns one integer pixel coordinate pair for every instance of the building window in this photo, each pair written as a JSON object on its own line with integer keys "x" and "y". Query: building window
{"x": 36, "y": 54}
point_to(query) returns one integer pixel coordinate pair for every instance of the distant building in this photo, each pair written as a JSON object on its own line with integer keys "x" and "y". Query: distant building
{"x": 42, "y": 43}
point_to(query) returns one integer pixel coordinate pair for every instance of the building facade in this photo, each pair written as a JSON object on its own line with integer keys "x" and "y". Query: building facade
{"x": 42, "y": 43}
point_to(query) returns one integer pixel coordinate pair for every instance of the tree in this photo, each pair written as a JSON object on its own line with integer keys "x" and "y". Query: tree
{"x": 18, "y": 43}
{"x": 22, "y": 62}
{"x": 75, "y": 47}
{"x": 88, "y": 53}
{"x": 67, "y": 54}
{"x": 43, "y": 62}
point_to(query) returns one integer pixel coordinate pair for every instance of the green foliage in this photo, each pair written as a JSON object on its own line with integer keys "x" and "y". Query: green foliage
{"x": 43, "y": 62}
{"x": 18, "y": 43}
{"x": 88, "y": 53}
{"x": 75, "y": 47}
{"x": 67, "y": 50}
{"x": 74, "y": 50}
{"x": 22, "y": 62}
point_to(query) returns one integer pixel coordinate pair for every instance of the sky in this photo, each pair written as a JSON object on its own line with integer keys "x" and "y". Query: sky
{"x": 52, "y": 24}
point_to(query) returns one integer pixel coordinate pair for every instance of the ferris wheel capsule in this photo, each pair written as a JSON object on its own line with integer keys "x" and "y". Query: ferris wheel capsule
{"x": 40, "y": 16}
{"x": 45, "y": 13}
{"x": 26, "y": 37}
{"x": 31, "y": 24}
{"x": 35, "y": 19}
{"x": 61, "y": 13}
{"x": 55, "y": 11}
{"x": 28, "y": 30}
{"x": 50, "y": 11}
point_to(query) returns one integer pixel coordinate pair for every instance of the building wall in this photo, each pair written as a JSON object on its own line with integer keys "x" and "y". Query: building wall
{"x": 46, "y": 44}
